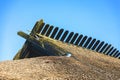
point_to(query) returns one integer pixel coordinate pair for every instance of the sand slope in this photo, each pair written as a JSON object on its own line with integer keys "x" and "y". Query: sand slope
{"x": 83, "y": 65}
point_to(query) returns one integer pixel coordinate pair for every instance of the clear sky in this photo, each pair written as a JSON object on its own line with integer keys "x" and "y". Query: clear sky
{"x": 99, "y": 19}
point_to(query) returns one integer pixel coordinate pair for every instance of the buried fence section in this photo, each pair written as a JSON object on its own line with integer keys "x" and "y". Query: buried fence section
{"x": 78, "y": 39}
{"x": 107, "y": 48}
{"x": 96, "y": 44}
{"x": 64, "y": 35}
{"x": 111, "y": 54}
{"x": 83, "y": 40}
{"x": 114, "y": 51}
{"x": 87, "y": 42}
{"x": 103, "y": 47}
{"x": 54, "y": 32}
{"x": 45, "y": 29}
{"x": 91, "y": 44}
{"x": 69, "y": 37}
{"x": 108, "y": 53}
{"x": 59, "y": 34}
{"x": 99, "y": 46}
{"x": 49, "y": 31}
{"x": 118, "y": 55}
{"x": 114, "y": 55}
{"x": 74, "y": 38}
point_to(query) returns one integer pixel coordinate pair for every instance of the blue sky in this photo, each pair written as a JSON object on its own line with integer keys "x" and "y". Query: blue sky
{"x": 97, "y": 18}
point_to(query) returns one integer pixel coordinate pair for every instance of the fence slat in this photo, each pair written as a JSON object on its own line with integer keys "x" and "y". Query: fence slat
{"x": 83, "y": 40}
{"x": 49, "y": 30}
{"x": 96, "y": 44}
{"x": 59, "y": 34}
{"x": 45, "y": 29}
{"x": 113, "y": 52}
{"x": 103, "y": 48}
{"x": 114, "y": 55}
{"x": 74, "y": 38}
{"x": 64, "y": 36}
{"x": 118, "y": 55}
{"x": 37, "y": 27}
{"x": 54, "y": 32}
{"x": 87, "y": 42}
{"x": 69, "y": 37}
{"x": 109, "y": 50}
{"x": 78, "y": 39}
{"x": 100, "y": 45}
{"x": 91, "y": 44}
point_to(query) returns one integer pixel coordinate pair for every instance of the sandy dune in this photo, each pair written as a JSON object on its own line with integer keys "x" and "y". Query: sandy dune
{"x": 82, "y": 65}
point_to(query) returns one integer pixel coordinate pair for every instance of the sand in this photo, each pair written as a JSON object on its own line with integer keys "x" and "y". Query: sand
{"x": 82, "y": 65}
